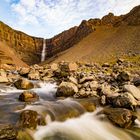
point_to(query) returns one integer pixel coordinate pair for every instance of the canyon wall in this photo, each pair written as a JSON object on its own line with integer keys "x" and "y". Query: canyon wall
{"x": 29, "y": 48}
{"x": 26, "y": 47}
{"x": 67, "y": 39}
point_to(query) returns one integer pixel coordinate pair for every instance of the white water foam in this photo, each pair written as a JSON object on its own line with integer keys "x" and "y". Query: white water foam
{"x": 43, "y": 87}
{"x": 86, "y": 127}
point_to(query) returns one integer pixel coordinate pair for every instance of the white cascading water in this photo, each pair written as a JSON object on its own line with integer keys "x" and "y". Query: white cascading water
{"x": 86, "y": 127}
{"x": 43, "y": 54}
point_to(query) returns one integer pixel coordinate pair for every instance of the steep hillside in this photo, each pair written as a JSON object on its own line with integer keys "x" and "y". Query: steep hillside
{"x": 27, "y": 48}
{"x": 95, "y": 40}
{"x": 113, "y": 37}
{"x": 106, "y": 44}
{"x": 7, "y": 56}
{"x": 67, "y": 39}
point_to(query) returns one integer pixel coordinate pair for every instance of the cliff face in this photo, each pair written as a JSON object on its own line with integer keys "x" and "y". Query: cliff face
{"x": 27, "y": 48}
{"x": 108, "y": 38}
{"x": 67, "y": 39}
{"x": 133, "y": 17}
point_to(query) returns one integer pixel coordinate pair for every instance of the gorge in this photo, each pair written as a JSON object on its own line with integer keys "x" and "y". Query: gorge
{"x": 29, "y": 49}
{"x": 82, "y": 84}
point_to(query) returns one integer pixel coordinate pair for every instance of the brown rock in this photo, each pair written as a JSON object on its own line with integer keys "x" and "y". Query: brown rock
{"x": 23, "y": 84}
{"x": 73, "y": 67}
{"x": 54, "y": 67}
{"x": 133, "y": 90}
{"x": 24, "y": 71}
{"x": 34, "y": 75}
{"x": 125, "y": 100}
{"x": 3, "y": 79}
{"x": 86, "y": 79}
{"x": 123, "y": 76}
{"x": 66, "y": 89}
{"x": 119, "y": 116}
{"x": 7, "y": 132}
{"x": 28, "y": 96}
{"x": 28, "y": 119}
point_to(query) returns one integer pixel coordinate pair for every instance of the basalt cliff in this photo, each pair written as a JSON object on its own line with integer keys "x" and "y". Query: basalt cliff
{"x": 93, "y": 40}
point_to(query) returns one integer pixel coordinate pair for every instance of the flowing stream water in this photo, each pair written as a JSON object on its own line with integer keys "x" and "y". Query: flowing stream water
{"x": 43, "y": 54}
{"x": 67, "y": 119}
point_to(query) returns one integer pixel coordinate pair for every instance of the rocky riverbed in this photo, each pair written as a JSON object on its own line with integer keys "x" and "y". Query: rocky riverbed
{"x": 36, "y": 101}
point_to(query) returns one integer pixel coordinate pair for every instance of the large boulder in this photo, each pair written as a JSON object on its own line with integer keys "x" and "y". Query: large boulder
{"x": 125, "y": 100}
{"x": 24, "y": 135}
{"x": 28, "y": 96}
{"x": 23, "y": 84}
{"x": 94, "y": 85}
{"x": 133, "y": 90}
{"x": 73, "y": 67}
{"x": 66, "y": 89}
{"x": 34, "y": 75}
{"x": 119, "y": 116}
{"x": 30, "y": 119}
{"x": 24, "y": 71}
{"x": 7, "y": 132}
{"x": 54, "y": 67}
{"x": 123, "y": 76}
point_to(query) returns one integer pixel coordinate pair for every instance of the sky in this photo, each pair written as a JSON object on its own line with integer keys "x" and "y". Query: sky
{"x": 46, "y": 18}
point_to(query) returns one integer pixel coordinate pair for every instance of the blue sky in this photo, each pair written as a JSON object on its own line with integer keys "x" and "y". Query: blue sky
{"x": 46, "y": 18}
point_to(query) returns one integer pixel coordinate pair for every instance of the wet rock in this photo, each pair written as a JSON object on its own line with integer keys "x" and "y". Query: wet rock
{"x": 133, "y": 90}
{"x": 123, "y": 77}
{"x": 24, "y": 71}
{"x": 28, "y": 96}
{"x": 23, "y": 135}
{"x": 34, "y": 75}
{"x": 66, "y": 89}
{"x": 30, "y": 119}
{"x": 7, "y": 132}
{"x": 119, "y": 116}
{"x": 89, "y": 106}
{"x": 23, "y": 84}
{"x": 125, "y": 100}
{"x": 86, "y": 79}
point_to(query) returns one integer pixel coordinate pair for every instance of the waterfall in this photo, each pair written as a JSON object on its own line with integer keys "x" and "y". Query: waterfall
{"x": 43, "y": 54}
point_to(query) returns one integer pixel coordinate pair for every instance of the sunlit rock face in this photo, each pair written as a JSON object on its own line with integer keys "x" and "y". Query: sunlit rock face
{"x": 27, "y": 48}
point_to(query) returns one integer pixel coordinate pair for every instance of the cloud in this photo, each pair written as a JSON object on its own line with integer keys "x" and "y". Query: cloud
{"x": 54, "y": 16}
